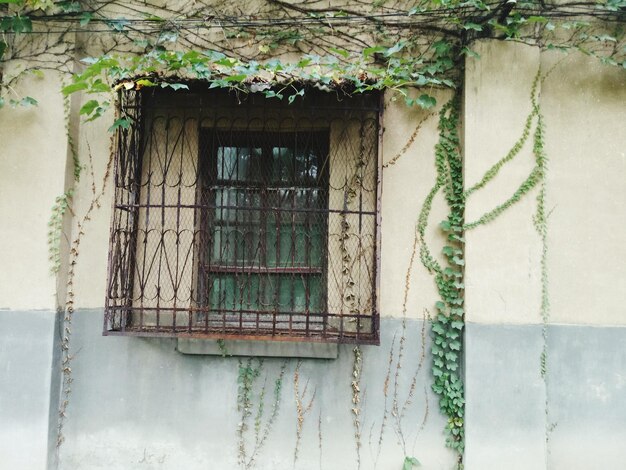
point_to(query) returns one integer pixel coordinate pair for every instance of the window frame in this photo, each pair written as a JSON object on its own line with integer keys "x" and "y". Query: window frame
{"x": 210, "y": 140}
{"x": 130, "y": 145}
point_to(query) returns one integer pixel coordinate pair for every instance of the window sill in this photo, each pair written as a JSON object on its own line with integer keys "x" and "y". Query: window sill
{"x": 257, "y": 348}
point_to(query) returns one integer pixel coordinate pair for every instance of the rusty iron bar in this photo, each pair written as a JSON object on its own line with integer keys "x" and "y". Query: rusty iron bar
{"x": 224, "y": 225}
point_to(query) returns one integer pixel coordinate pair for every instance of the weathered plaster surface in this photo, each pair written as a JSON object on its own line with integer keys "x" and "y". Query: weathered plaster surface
{"x": 586, "y": 390}
{"x": 33, "y": 146}
{"x": 583, "y": 105}
{"x": 405, "y": 186}
{"x": 505, "y": 398}
{"x": 586, "y": 146}
{"x": 139, "y": 401}
{"x": 26, "y": 356}
{"x": 502, "y": 259}
{"x": 507, "y": 424}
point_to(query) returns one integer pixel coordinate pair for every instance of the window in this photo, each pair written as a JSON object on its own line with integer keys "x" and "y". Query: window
{"x": 253, "y": 219}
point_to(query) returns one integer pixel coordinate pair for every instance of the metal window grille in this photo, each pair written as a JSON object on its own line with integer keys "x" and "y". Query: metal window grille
{"x": 253, "y": 219}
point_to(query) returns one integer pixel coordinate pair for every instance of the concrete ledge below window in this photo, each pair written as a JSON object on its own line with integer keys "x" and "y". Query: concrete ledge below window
{"x": 258, "y": 348}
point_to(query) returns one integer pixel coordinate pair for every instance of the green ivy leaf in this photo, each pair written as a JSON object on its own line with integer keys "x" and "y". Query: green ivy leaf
{"x": 98, "y": 86}
{"x": 6, "y": 24}
{"x": 28, "y": 101}
{"x": 25, "y": 102}
{"x": 236, "y": 78}
{"x": 146, "y": 82}
{"x": 74, "y": 87}
{"x": 472, "y": 26}
{"x": 273, "y": 94}
{"x": 99, "y": 111}
{"x": 606, "y": 37}
{"x": 458, "y": 261}
{"x": 69, "y": 7}
{"x": 395, "y": 49}
{"x": 368, "y": 51}
{"x": 117, "y": 25}
{"x": 124, "y": 123}
{"x": 415, "y": 10}
{"x": 469, "y": 52}
{"x": 3, "y": 48}
{"x": 342, "y": 52}
{"x": 410, "y": 462}
{"x": 89, "y": 107}
{"x": 85, "y": 18}
{"x": 426, "y": 101}
{"x": 22, "y": 24}
{"x": 174, "y": 86}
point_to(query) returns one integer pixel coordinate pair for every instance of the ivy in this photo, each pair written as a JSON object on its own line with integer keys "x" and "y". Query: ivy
{"x": 535, "y": 177}
{"x": 448, "y": 323}
{"x": 274, "y": 79}
{"x": 55, "y": 228}
{"x": 398, "y": 65}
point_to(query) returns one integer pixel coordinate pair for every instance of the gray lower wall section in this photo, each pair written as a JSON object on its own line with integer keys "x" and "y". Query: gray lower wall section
{"x": 587, "y": 396}
{"x": 26, "y": 360}
{"x": 507, "y": 423}
{"x": 139, "y": 403}
{"x": 505, "y": 398}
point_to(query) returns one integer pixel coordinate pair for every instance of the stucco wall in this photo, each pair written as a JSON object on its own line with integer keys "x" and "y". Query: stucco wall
{"x": 140, "y": 402}
{"x": 583, "y": 104}
{"x": 522, "y": 420}
{"x": 33, "y": 145}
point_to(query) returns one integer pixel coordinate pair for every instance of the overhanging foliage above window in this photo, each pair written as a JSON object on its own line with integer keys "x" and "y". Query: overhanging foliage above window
{"x": 253, "y": 219}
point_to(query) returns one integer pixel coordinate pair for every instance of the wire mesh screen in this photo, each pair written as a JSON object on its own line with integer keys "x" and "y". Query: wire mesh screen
{"x": 252, "y": 219}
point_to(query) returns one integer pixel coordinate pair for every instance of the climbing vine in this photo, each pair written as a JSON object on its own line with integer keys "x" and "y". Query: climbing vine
{"x": 250, "y": 398}
{"x": 55, "y": 228}
{"x": 447, "y": 324}
{"x": 399, "y": 46}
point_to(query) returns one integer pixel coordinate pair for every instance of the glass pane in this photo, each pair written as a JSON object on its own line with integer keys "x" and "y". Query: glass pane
{"x": 268, "y": 224}
{"x": 282, "y": 165}
{"x": 307, "y": 166}
{"x": 249, "y": 292}
{"x": 239, "y": 164}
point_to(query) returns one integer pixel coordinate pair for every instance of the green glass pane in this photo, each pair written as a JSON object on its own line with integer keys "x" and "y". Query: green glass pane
{"x": 282, "y": 165}
{"x": 238, "y": 163}
{"x": 236, "y": 292}
{"x": 316, "y": 303}
{"x": 260, "y": 292}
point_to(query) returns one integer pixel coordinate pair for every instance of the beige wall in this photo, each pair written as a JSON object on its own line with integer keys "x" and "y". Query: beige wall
{"x": 33, "y": 148}
{"x": 90, "y": 278}
{"x": 405, "y": 184}
{"x": 404, "y": 188}
{"x": 584, "y": 107}
{"x": 583, "y": 104}
{"x": 586, "y": 143}
{"x": 502, "y": 258}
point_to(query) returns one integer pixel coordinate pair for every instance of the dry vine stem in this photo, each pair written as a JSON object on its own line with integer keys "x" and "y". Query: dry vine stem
{"x": 66, "y": 356}
{"x": 301, "y": 409}
{"x": 357, "y": 368}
